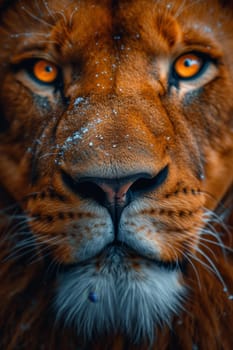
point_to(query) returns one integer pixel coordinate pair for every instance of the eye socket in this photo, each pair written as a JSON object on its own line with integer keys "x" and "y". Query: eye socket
{"x": 188, "y": 66}
{"x": 45, "y": 71}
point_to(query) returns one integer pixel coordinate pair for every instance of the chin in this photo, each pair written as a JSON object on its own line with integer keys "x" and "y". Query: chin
{"x": 116, "y": 293}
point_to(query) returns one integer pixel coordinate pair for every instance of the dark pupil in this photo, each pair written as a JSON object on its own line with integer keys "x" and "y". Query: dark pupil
{"x": 188, "y": 62}
{"x": 48, "y": 69}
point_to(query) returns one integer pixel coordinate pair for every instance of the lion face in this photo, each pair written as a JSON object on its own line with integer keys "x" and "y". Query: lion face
{"x": 118, "y": 144}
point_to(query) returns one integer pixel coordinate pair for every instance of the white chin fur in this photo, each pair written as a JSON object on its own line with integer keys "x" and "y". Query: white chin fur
{"x": 132, "y": 301}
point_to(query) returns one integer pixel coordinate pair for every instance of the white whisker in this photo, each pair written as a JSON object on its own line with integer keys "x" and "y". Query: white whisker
{"x": 211, "y": 267}
{"x": 61, "y": 13}
{"x": 51, "y": 14}
{"x": 222, "y": 246}
{"x": 38, "y": 19}
{"x": 30, "y": 34}
{"x": 71, "y": 16}
{"x": 183, "y": 7}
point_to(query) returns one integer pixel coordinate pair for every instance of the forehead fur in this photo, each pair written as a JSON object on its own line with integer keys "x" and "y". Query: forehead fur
{"x": 71, "y": 27}
{"x": 124, "y": 10}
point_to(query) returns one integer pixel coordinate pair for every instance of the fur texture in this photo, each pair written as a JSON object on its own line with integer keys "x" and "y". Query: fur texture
{"x": 119, "y": 289}
{"x": 116, "y": 173}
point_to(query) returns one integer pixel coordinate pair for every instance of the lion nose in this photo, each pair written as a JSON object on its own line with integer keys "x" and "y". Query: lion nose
{"x": 115, "y": 193}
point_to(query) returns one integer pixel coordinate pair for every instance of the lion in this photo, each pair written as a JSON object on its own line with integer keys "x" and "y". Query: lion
{"x": 116, "y": 174}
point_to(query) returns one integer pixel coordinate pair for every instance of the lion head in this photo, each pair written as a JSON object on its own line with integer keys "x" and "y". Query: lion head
{"x": 116, "y": 165}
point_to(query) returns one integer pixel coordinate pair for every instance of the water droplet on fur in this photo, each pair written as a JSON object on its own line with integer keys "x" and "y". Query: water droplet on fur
{"x": 230, "y": 297}
{"x": 117, "y": 37}
{"x": 207, "y": 29}
{"x": 57, "y": 162}
{"x": 93, "y": 297}
{"x": 202, "y": 177}
{"x": 78, "y": 101}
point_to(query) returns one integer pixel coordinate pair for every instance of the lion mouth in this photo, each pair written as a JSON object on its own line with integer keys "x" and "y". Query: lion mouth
{"x": 119, "y": 254}
{"x": 128, "y": 253}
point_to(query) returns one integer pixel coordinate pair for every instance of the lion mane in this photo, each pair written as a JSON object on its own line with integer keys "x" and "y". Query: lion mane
{"x": 116, "y": 175}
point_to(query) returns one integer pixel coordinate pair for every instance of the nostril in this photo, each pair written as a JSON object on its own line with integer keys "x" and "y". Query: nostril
{"x": 85, "y": 189}
{"x": 143, "y": 185}
{"x": 88, "y": 189}
{"x": 115, "y": 192}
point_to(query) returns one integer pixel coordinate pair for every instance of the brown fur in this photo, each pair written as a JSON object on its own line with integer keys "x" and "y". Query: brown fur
{"x": 111, "y": 54}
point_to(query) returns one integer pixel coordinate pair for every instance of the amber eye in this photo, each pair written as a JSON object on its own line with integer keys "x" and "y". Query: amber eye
{"x": 45, "y": 71}
{"x": 188, "y": 66}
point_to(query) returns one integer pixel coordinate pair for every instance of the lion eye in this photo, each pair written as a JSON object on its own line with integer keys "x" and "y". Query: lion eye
{"x": 188, "y": 66}
{"x": 45, "y": 71}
